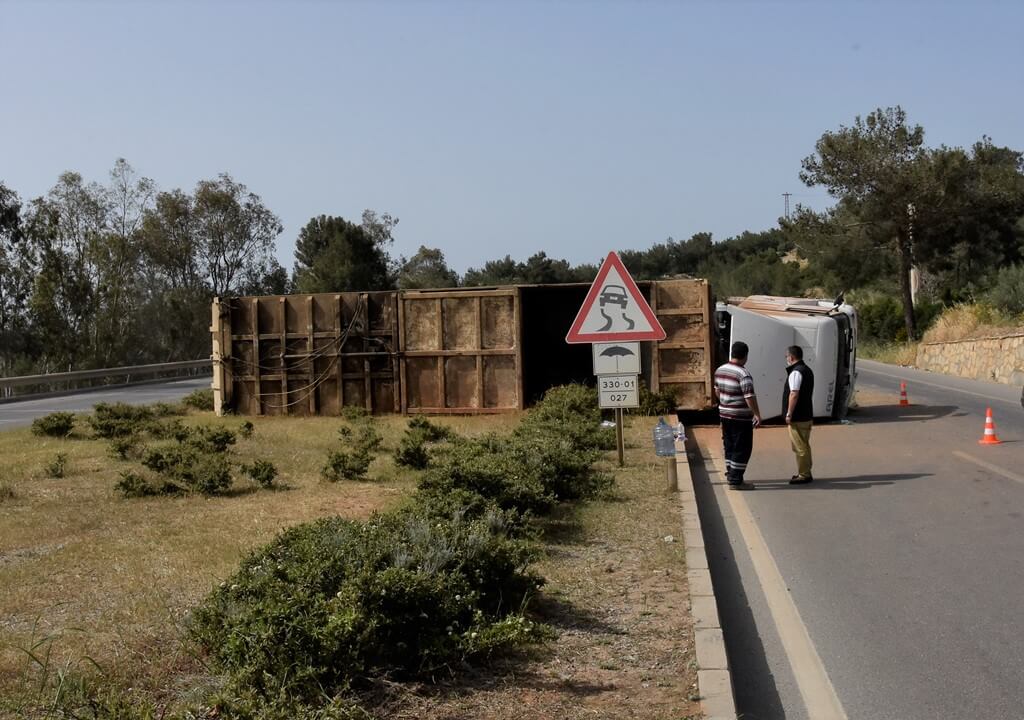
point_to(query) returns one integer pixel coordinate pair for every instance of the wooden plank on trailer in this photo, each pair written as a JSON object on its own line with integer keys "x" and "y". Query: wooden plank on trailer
{"x": 442, "y": 390}
{"x": 517, "y": 324}
{"x": 402, "y": 370}
{"x": 282, "y": 317}
{"x": 218, "y": 359}
{"x": 367, "y": 382}
{"x": 257, "y": 387}
{"x": 655, "y": 356}
{"x": 338, "y": 316}
{"x": 479, "y": 356}
{"x": 310, "y": 360}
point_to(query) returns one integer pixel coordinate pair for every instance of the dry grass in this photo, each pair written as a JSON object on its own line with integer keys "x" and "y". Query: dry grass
{"x": 964, "y": 322}
{"x": 894, "y": 353}
{"x": 112, "y": 579}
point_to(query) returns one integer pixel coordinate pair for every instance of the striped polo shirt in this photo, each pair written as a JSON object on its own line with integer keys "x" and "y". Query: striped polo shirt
{"x": 734, "y": 385}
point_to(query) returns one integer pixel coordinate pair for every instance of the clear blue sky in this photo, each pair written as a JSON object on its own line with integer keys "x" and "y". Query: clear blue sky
{"x": 491, "y": 128}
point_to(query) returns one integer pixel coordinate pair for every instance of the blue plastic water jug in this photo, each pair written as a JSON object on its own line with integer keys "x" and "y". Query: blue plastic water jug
{"x": 664, "y": 440}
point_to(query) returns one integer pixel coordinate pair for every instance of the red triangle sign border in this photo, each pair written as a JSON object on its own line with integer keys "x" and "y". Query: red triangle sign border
{"x": 576, "y": 336}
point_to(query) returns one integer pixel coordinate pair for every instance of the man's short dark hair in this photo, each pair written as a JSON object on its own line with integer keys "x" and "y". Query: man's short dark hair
{"x": 740, "y": 350}
{"x": 795, "y": 351}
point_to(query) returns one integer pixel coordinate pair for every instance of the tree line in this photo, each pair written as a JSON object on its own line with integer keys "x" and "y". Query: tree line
{"x": 105, "y": 274}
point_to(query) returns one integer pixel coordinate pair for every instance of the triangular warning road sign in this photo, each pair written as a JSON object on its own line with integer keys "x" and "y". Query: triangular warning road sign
{"x": 615, "y": 310}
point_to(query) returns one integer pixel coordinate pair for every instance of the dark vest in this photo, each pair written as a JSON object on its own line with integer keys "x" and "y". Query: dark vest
{"x": 804, "y": 409}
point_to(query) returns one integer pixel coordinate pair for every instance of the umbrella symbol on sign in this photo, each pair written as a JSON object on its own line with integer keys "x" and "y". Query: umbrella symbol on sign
{"x": 616, "y": 351}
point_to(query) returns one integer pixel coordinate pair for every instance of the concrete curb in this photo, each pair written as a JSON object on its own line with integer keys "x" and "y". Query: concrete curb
{"x": 714, "y": 681}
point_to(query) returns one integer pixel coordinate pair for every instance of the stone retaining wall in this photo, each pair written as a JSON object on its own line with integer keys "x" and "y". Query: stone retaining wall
{"x": 995, "y": 359}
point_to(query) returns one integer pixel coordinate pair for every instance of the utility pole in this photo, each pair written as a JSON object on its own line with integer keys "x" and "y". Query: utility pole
{"x": 787, "y": 196}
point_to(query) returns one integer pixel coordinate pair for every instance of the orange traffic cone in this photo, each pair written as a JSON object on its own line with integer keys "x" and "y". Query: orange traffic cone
{"x": 989, "y": 438}
{"x": 903, "y": 394}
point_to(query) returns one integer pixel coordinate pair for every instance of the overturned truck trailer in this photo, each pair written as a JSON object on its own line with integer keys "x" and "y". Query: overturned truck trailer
{"x": 453, "y": 351}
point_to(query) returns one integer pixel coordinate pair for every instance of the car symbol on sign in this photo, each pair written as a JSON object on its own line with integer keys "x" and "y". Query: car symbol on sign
{"x": 615, "y": 294}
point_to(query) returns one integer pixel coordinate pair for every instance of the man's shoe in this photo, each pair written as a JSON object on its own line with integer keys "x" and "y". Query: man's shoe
{"x": 797, "y": 480}
{"x": 741, "y": 486}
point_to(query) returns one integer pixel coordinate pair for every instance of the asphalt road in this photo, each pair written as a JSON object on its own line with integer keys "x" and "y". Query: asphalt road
{"x": 904, "y": 560}
{"x": 23, "y": 412}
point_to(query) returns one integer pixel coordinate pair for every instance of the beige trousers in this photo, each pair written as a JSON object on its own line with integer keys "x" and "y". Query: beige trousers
{"x": 800, "y": 437}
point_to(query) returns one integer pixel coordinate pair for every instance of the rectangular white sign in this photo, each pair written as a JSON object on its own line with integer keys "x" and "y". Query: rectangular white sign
{"x": 618, "y": 391}
{"x": 617, "y": 358}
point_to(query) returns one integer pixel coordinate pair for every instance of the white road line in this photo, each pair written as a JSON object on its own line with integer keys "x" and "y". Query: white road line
{"x": 989, "y": 466}
{"x": 916, "y": 381}
{"x": 815, "y": 686}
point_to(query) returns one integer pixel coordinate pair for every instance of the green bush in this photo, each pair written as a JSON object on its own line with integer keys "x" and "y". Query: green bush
{"x": 163, "y": 409}
{"x": 487, "y": 467}
{"x": 652, "y": 403}
{"x": 431, "y": 431}
{"x": 56, "y": 467}
{"x": 881, "y": 318}
{"x": 57, "y": 424}
{"x": 133, "y": 485}
{"x": 570, "y": 412}
{"x": 120, "y": 420}
{"x": 1007, "y": 293}
{"x": 331, "y": 603}
{"x": 346, "y": 465}
{"x": 246, "y": 430}
{"x": 168, "y": 429}
{"x": 210, "y": 439}
{"x": 353, "y": 413}
{"x": 412, "y": 450}
{"x": 188, "y": 468}
{"x": 201, "y": 399}
{"x": 261, "y": 472}
{"x": 128, "y": 447}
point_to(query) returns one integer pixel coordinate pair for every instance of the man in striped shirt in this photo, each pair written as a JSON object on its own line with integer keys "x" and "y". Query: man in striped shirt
{"x": 737, "y": 408}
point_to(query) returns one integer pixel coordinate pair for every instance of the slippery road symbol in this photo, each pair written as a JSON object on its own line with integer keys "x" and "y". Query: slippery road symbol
{"x": 609, "y": 321}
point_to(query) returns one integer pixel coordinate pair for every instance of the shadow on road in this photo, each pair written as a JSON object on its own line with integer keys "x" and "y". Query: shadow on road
{"x": 898, "y": 413}
{"x": 854, "y": 482}
{"x": 757, "y": 697}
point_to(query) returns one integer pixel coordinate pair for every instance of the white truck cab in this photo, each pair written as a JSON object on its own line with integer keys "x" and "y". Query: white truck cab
{"x": 826, "y": 331}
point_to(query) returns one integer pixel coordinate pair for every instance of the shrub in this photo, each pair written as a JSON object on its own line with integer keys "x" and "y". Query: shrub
{"x": 57, "y": 424}
{"x": 570, "y": 412}
{"x": 120, "y": 419}
{"x": 330, "y": 603}
{"x": 188, "y": 468}
{"x": 652, "y": 403}
{"x": 367, "y": 439}
{"x": 128, "y": 447}
{"x": 6, "y": 491}
{"x": 432, "y": 432}
{"x": 56, "y": 467}
{"x": 354, "y": 413}
{"x": 201, "y": 399}
{"x": 246, "y": 430}
{"x": 133, "y": 485}
{"x": 1007, "y": 293}
{"x": 261, "y": 472}
{"x": 210, "y": 439}
{"x": 168, "y": 429}
{"x": 163, "y": 409}
{"x": 412, "y": 450}
{"x": 346, "y": 465}
{"x": 486, "y": 467}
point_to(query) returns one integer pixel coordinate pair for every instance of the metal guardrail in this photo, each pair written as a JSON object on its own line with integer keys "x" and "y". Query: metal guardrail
{"x": 54, "y": 379}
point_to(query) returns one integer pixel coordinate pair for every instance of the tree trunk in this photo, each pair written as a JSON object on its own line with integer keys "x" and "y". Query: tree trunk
{"x": 906, "y": 262}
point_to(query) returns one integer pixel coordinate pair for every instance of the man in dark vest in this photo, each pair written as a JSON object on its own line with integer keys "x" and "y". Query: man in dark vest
{"x": 798, "y": 407}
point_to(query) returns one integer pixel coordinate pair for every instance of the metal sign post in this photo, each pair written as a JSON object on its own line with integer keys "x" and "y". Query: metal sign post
{"x": 614, "y": 317}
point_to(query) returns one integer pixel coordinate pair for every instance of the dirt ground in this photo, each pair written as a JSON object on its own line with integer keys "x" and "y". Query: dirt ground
{"x": 88, "y": 576}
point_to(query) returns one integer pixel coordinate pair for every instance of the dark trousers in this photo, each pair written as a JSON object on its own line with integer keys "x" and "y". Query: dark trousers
{"x": 738, "y": 438}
